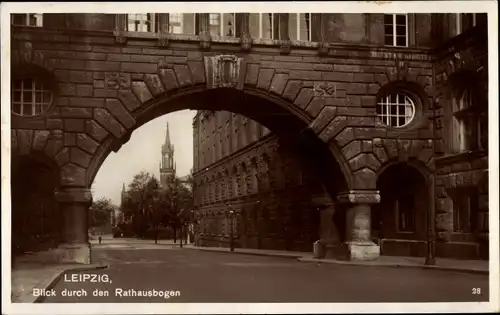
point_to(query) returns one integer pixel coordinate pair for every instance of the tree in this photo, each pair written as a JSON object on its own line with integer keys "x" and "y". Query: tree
{"x": 140, "y": 201}
{"x": 101, "y": 211}
{"x": 176, "y": 202}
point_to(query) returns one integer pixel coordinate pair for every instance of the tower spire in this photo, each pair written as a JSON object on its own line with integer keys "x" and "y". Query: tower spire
{"x": 167, "y": 137}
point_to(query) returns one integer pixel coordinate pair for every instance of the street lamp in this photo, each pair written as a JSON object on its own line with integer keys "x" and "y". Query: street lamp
{"x": 231, "y": 237}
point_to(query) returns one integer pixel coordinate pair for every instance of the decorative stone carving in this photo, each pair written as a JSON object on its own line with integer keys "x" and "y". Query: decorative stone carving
{"x": 26, "y": 52}
{"x": 360, "y": 197}
{"x": 223, "y": 71}
{"x": 246, "y": 42}
{"x": 205, "y": 40}
{"x": 323, "y": 49}
{"x": 117, "y": 80}
{"x": 324, "y": 89}
{"x": 285, "y": 47}
{"x": 402, "y": 69}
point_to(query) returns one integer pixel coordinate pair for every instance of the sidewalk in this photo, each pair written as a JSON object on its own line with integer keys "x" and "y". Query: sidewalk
{"x": 467, "y": 266}
{"x": 29, "y": 274}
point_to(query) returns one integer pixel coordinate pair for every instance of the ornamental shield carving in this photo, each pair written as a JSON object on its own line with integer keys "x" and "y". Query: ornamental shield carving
{"x": 223, "y": 71}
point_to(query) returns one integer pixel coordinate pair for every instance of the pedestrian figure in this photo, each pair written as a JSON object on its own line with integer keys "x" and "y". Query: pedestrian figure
{"x": 100, "y": 239}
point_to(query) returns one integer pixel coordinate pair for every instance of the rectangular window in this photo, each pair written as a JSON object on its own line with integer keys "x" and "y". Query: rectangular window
{"x": 229, "y": 26}
{"x": 175, "y": 21}
{"x": 142, "y": 22}
{"x": 214, "y": 24}
{"x": 223, "y": 24}
{"x": 396, "y": 30}
{"x": 304, "y": 26}
{"x": 462, "y": 206}
{"x": 28, "y": 19}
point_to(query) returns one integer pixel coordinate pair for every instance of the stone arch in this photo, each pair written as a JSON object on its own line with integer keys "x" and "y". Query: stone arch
{"x": 123, "y": 115}
{"x": 401, "y": 214}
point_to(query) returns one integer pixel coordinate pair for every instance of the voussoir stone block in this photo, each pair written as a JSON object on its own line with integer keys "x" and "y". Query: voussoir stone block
{"x": 141, "y": 91}
{"x": 86, "y": 143}
{"x": 265, "y": 78}
{"x": 94, "y": 130}
{"x": 62, "y": 157}
{"x": 24, "y": 141}
{"x": 292, "y": 89}
{"x": 278, "y": 84}
{"x": 80, "y": 157}
{"x": 304, "y": 97}
{"x": 154, "y": 84}
{"x": 128, "y": 99}
{"x": 197, "y": 71}
{"x": 116, "y": 108}
{"x": 183, "y": 75}
{"x": 168, "y": 78}
{"x": 40, "y": 139}
{"x": 53, "y": 146}
{"x": 333, "y": 128}
{"x": 104, "y": 118}
{"x": 324, "y": 117}
{"x": 73, "y": 175}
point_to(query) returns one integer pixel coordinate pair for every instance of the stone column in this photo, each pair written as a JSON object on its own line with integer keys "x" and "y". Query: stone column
{"x": 204, "y": 30}
{"x": 244, "y": 26}
{"x": 330, "y": 245}
{"x": 284, "y": 34}
{"x": 358, "y": 224}
{"x": 120, "y": 28}
{"x": 163, "y": 29}
{"x": 74, "y": 204}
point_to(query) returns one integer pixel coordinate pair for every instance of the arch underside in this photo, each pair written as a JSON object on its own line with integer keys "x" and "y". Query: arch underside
{"x": 280, "y": 117}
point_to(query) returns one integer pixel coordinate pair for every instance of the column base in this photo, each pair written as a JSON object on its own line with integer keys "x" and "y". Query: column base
{"x": 362, "y": 250}
{"x": 73, "y": 253}
{"x": 331, "y": 250}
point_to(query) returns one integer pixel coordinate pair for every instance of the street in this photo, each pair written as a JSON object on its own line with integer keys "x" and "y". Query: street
{"x": 186, "y": 275}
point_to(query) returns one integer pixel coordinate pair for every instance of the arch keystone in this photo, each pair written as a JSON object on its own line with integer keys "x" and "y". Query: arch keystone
{"x": 224, "y": 71}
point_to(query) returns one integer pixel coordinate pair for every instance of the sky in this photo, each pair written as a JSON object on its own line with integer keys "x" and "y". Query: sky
{"x": 143, "y": 153}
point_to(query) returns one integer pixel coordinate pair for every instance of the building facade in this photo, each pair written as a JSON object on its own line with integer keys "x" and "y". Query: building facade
{"x": 232, "y": 154}
{"x": 378, "y": 144}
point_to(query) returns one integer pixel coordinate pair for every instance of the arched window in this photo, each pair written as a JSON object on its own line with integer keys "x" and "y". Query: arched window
{"x": 470, "y": 125}
{"x": 30, "y": 97}
{"x": 396, "y": 109}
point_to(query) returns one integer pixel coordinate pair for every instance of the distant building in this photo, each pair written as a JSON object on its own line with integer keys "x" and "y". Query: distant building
{"x": 167, "y": 164}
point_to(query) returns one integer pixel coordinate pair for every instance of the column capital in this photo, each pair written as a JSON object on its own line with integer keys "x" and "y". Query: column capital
{"x": 73, "y": 194}
{"x": 359, "y": 197}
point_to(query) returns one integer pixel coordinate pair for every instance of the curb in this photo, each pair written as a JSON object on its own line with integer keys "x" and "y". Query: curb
{"x": 321, "y": 261}
{"x": 292, "y": 256}
{"x": 39, "y": 299}
{"x": 455, "y": 269}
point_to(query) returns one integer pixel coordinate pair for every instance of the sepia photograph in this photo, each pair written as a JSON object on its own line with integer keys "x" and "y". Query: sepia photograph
{"x": 223, "y": 159}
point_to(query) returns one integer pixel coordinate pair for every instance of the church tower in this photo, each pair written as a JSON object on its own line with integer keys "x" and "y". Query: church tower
{"x": 167, "y": 164}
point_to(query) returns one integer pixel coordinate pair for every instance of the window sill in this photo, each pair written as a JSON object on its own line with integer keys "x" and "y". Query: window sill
{"x": 461, "y": 157}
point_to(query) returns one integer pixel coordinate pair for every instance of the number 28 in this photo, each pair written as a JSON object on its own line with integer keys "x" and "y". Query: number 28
{"x": 476, "y": 291}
